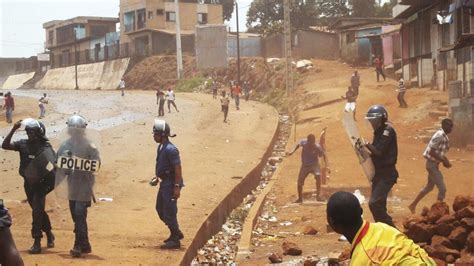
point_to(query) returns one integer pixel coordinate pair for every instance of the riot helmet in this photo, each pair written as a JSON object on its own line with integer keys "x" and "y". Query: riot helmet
{"x": 76, "y": 121}
{"x": 377, "y": 116}
{"x": 76, "y": 125}
{"x": 36, "y": 127}
{"x": 162, "y": 128}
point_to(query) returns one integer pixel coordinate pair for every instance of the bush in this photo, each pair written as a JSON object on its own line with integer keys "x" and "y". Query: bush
{"x": 189, "y": 85}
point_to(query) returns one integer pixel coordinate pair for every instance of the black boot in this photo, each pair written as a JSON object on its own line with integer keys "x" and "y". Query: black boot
{"x": 86, "y": 246}
{"x": 36, "y": 248}
{"x": 76, "y": 251}
{"x": 179, "y": 236}
{"x": 171, "y": 244}
{"x": 50, "y": 238}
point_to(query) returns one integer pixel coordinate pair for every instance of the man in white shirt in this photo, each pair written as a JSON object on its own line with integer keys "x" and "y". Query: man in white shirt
{"x": 42, "y": 105}
{"x": 171, "y": 98}
{"x": 122, "y": 86}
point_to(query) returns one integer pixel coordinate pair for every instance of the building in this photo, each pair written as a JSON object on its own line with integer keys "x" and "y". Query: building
{"x": 149, "y": 26}
{"x": 391, "y": 45}
{"x": 438, "y": 52}
{"x": 359, "y": 38}
{"x": 312, "y": 42}
{"x": 90, "y": 36}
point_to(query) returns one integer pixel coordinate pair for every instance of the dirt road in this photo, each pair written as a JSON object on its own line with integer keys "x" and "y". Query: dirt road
{"x": 346, "y": 174}
{"x": 127, "y": 230}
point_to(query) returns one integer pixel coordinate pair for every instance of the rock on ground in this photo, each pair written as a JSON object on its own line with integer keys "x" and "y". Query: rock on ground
{"x": 290, "y": 248}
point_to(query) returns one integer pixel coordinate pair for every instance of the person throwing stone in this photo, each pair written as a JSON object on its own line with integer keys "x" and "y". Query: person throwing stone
{"x": 309, "y": 164}
{"x": 435, "y": 154}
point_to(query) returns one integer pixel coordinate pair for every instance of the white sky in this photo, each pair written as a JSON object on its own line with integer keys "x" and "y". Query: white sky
{"x": 22, "y": 34}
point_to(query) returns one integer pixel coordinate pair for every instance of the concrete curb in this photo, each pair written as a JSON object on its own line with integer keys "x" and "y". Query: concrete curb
{"x": 218, "y": 216}
{"x": 243, "y": 247}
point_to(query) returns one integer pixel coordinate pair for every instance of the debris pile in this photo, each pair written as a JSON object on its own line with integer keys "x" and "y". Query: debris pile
{"x": 445, "y": 236}
{"x": 222, "y": 247}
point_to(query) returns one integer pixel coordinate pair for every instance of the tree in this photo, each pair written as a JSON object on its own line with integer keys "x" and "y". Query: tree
{"x": 227, "y": 8}
{"x": 385, "y": 10}
{"x": 266, "y": 16}
{"x": 330, "y": 10}
{"x": 363, "y": 8}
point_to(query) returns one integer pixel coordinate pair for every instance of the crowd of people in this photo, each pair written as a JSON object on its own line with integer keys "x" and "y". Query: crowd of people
{"x": 344, "y": 213}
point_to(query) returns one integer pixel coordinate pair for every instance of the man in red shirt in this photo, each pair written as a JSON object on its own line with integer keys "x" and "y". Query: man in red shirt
{"x": 378, "y": 62}
{"x": 9, "y": 106}
{"x": 236, "y": 92}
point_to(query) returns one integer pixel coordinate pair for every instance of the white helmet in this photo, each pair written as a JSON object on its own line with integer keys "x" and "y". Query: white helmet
{"x": 160, "y": 126}
{"x": 76, "y": 121}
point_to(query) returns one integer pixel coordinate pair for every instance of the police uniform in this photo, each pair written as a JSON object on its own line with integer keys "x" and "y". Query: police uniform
{"x": 385, "y": 141}
{"x": 166, "y": 160}
{"x": 80, "y": 187}
{"x": 36, "y": 193}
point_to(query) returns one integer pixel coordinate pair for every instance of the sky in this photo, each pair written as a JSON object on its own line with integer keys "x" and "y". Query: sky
{"x": 22, "y": 33}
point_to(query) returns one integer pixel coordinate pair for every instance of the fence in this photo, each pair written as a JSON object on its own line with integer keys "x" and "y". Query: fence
{"x": 89, "y": 56}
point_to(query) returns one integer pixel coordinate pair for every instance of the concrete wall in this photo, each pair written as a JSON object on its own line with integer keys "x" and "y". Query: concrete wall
{"x": 274, "y": 46}
{"x": 249, "y": 46}
{"x": 103, "y": 75}
{"x": 314, "y": 44}
{"x": 15, "y": 81}
{"x": 211, "y": 46}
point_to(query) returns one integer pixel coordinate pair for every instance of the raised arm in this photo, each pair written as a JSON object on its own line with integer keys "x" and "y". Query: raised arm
{"x": 7, "y": 142}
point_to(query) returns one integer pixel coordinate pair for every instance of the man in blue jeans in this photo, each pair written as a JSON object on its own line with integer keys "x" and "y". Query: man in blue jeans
{"x": 169, "y": 175}
{"x": 435, "y": 153}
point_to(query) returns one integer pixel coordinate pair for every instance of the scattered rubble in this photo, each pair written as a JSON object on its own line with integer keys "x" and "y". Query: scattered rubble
{"x": 275, "y": 258}
{"x": 290, "y": 248}
{"x": 222, "y": 247}
{"x": 447, "y": 237}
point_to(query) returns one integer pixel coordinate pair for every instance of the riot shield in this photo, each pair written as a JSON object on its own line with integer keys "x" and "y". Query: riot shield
{"x": 39, "y": 172}
{"x": 78, "y": 161}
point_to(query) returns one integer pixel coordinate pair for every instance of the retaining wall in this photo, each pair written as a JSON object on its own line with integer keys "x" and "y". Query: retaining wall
{"x": 103, "y": 75}
{"x": 13, "y": 82}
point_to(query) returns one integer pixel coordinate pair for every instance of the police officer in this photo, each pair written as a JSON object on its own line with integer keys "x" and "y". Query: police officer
{"x": 168, "y": 171}
{"x": 384, "y": 153}
{"x": 80, "y": 183}
{"x": 30, "y": 149}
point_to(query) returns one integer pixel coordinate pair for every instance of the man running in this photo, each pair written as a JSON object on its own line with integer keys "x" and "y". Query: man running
{"x": 435, "y": 153}
{"x": 351, "y": 101}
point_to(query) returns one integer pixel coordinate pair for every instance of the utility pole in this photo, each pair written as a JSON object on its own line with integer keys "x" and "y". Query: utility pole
{"x": 238, "y": 43}
{"x": 179, "y": 54}
{"x": 287, "y": 33}
{"x": 75, "y": 56}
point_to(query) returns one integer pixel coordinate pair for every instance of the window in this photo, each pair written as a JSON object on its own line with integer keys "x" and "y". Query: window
{"x": 202, "y": 18}
{"x": 51, "y": 36}
{"x": 129, "y": 21}
{"x": 160, "y": 12}
{"x": 141, "y": 19}
{"x": 350, "y": 37}
{"x": 170, "y": 16}
{"x": 150, "y": 14}
{"x": 99, "y": 30}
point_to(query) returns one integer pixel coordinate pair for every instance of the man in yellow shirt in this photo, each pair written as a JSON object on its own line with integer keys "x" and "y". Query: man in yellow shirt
{"x": 372, "y": 243}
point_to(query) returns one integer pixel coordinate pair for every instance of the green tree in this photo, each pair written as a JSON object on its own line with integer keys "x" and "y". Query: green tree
{"x": 363, "y": 8}
{"x": 266, "y": 16}
{"x": 227, "y": 8}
